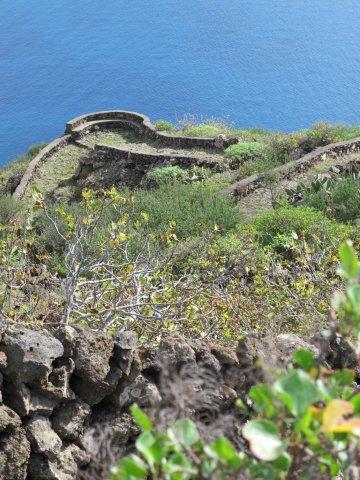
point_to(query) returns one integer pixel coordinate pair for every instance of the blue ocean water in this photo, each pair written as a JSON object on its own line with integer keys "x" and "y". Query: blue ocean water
{"x": 278, "y": 64}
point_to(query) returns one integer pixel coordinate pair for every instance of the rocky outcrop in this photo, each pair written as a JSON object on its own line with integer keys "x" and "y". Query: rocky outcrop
{"x": 65, "y": 397}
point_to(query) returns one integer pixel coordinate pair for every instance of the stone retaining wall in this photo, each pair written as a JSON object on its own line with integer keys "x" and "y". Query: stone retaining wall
{"x": 115, "y": 119}
{"x": 247, "y": 185}
{"x": 106, "y": 166}
{"x": 63, "y": 396}
{"x": 143, "y": 126}
{"x": 36, "y": 162}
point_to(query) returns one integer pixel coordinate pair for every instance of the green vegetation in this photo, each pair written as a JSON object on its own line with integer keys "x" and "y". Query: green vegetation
{"x": 164, "y": 126}
{"x": 324, "y": 133}
{"x": 178, "y": 257}
{"x": 244, "y": 152}
{"x": 193, "y": 208}
{"x": 304, "y": 425}
{"x": 337, "y": 198}
{"x": 166, "y": 176}
{"x": 18, "y": 166}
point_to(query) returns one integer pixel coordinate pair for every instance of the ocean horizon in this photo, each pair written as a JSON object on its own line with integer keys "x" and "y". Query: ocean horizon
{"x": 273, "y": 64}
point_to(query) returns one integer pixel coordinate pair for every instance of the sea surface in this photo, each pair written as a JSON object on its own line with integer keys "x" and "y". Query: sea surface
{"x": 277, "y": 64}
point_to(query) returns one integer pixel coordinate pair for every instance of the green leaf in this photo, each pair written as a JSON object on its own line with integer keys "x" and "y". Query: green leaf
{"x": 304, "y": 359}
{"x": 350, "y": 265}
{"x": 179, "y": 467}
{"x": 264, "y": 439}
{"x": 353, "y": 294}
{"x": 298, "y": 391}
{"x": 343, "y": 378}
{"x": 133, "y": 467}
{"x": 186, "y": 432}
{"x": 141, "y": 418}
{"x": 153, "y": 448}
{"x": 356, "y": 403}
{"x": 226, "y": 452}
{"x": 263, "y": 400}
{"x": 223, "y": 448}
{"x": 283, "y": 462}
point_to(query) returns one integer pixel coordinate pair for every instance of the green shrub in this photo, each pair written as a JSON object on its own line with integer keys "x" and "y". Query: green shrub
{"x": 339, "y": 199}
{"x": 19, "y": 165}
{"x": 281, "y": 146}
{"x": 164, "y": 126}
{"x": 345, "y": 200}
{"x": 305, "y": 222}
{"x": 202, "y": 130}
{"x": 194, "y": 208}
{"x": 199, "y": 174}
{"x": 259, "y": 165}
{"x": 9, "y": 208}
{"x": 166, "y": 176}
{"x": 324, "y": 133}
{"x": 252, "y": 134}
{"x": 244, "y": 152}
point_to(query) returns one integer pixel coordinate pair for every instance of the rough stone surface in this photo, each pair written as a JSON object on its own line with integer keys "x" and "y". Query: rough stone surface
{"x": 14, "y": 446}
{"x": 68, "y": 421}
{"x": 66, "y": 397}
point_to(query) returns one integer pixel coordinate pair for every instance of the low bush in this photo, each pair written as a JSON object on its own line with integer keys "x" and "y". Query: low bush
{"x": 203, "y": 130}
{"x": 166, "y": 176}
{"x": 244, "y": 152}
{"x": 164, "y": 126}
{"x": 19, "y": 165}
{"x": 324, "y": 133}
{"x": 9, "y": 208}
{"x": 194, "y": 209}
{"x": 337, "y": 198}
{"x": 281, "y": 147}
{"x": 305, "y": 222}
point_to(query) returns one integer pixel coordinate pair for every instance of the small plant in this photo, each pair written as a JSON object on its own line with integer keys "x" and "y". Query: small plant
{"x": 190, "y": 126}
{"x": 164, "y": 126}
{"x": 166, "y": 176}
{"x": 199, "y": 174}
{"x": 9, "y": 208}
{"x": 281, "y": 147}
{"x": 245, "y": 152}
{"x": 307, "y": 223}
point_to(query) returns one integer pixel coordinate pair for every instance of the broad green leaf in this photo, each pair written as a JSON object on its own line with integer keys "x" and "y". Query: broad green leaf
{"x": 226, "y": 452}
{"x": 355, "y": 401}
{"x": 353, "y": 294}
{"x": 141, "y": 418}
{"x": 263, "y": 400}
{"x": 179, "y": 467}
{"x": 132, "y": 467}
{"x": 298, "y": 392}
{"x": 153, "y": 448}
{"x": 350, "y": 265}
{"x": 343, "y": 378}
{"x": 264, "y": 439}
{"x": 304, "y": 359}
{"x": 186, "y": 432}
{"x": 283, "y": 462}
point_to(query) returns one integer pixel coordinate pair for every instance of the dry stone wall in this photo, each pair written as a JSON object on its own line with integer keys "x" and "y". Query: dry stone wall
{"x": 289, "y": 170}
{"x": 111, "y": 119}
{"x": 61, "y": 394}
{"x": 64, "y": 397}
